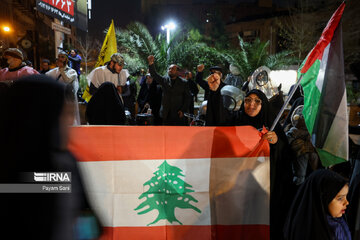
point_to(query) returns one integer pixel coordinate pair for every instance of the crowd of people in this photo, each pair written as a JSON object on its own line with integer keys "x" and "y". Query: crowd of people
{"x": 307, "y": 201}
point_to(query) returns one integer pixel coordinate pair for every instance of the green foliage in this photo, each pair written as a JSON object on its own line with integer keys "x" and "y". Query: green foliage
{"x": 166, "y": 192}
{"x": 187, "y": 50}
{"x": 353, "y": 96}
{"x": 134, "y": 64}
{"x": 250, "y": 56}
{"x": 83, "y": 82}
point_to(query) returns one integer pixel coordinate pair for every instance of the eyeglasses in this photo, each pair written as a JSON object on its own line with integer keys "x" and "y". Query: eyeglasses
{"x": 248, "y": 100}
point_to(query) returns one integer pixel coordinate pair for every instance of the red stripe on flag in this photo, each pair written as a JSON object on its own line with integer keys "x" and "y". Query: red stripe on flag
{"x": 150, "y": 142}
{"x": 325, "y": 38}
{"x": 219, "y": 232}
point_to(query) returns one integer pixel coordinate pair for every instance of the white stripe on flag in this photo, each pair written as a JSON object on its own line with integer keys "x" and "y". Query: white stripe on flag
{"x": 337, "y": 139}
{"x": 322, "y": 70}
{"x": 240, "y": 190}
{"x": 114, "y": 187}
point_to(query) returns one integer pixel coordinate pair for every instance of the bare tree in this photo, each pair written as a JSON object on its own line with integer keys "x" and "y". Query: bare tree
{"x": 307, "y": 19}
{"x": 89, "y": 48}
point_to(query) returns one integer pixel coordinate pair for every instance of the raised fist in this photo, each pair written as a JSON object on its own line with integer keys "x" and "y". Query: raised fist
{"x": 200, "y": 68}
{"x": 214, "y": 81}
{"x": 151, "y": 59}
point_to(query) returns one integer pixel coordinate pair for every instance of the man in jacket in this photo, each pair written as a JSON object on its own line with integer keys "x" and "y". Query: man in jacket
{"x": 176, "y": 94}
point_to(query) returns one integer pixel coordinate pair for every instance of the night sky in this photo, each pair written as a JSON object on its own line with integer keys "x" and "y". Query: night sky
{"x": 123, "y": 12}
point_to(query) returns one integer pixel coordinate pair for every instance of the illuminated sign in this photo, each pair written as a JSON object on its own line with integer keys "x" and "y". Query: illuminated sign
{"x": 68, "y": 11}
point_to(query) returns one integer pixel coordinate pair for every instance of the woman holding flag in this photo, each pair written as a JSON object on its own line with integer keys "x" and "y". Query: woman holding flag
{"x": 256, "y": 111}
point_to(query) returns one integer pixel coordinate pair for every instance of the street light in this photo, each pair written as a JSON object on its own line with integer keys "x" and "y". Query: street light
{"x": 6, "y": 33}
{"x": 6, "y": 29}
{"x": 168, "y": 27}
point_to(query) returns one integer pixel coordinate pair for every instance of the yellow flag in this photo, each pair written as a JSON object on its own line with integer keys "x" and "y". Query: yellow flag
{"x": 86, "y": 95}
{"x": 109, "y": 46}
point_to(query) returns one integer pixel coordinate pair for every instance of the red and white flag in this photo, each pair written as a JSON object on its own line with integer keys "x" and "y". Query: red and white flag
{"x": 176, "y": 182}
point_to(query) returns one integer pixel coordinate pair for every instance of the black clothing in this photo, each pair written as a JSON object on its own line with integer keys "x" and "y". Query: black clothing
{"x": 299, "y": 101}
{"x": 203, "y": 84}
{"x": 175, "y": 97}
{"x": 150, "y": 94}
{"x": 43, "y": 71}
{"x": 129, "y": 97}
{"x": 353, "y": 211}
{"x": 298, "y": 93}
{"x": 193, "y": 93}
{"x": 106, "y": 107}
{"x": 147, "y": 94}
{"x": 281, "y": 189}
{"x": 307, "y": 218}
{"x": 216, "y": 114}
{"x": 31, "y": 142}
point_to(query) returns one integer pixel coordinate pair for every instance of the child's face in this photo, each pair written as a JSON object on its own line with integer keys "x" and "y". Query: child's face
{"x": 338, "y": 205}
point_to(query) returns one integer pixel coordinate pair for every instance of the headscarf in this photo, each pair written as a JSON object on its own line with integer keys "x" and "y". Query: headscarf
{"x": 307, "y": 218}
{"x": 263, "y": 118}
{"x": 106, "y": 107}
{"x": 29, "y": 124}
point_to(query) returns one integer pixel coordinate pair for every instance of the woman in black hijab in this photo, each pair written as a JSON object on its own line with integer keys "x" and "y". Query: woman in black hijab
{"x": 318, "y": 208}
{"x": 106, "y": 107}
{"x": 256, "y": 111}
{"x": 34, "y": 126}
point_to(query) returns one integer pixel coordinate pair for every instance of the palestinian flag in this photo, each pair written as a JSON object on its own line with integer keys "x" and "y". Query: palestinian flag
{"x": 325, "y": 105}
{"x": 176, "y": 182}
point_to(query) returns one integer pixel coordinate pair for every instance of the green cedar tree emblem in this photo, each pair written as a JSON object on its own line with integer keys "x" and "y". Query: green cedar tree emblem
{"x": 166, "y": 192}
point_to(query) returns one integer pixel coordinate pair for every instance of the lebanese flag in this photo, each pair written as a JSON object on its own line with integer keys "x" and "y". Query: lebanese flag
{"x": 176, "y": 182}
{"x": 325, "y": 105}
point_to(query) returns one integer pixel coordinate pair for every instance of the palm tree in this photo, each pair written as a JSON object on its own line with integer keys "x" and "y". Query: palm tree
{"x": 186, "y": 51}
{"x": 250, "y": 56}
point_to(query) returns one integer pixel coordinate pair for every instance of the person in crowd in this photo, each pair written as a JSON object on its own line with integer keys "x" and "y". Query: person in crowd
{"x": 318, "y": 209}
{"x": 106, "y": 106}
{"x": 176, "y": 94}
{"x": 142, "y": 77}
{"x": 129, "y": 97}
{"x": 353, "y": 212}
{"x": 75, "y": 61}
{"x": 256, "y": 111}
{"x": 296, "y": 100}
{"x": 34, "y": 128}
{"x": 193, "y": 90}
{"x": 111, "y": 72}
{"x": 63, "y": 73}
{"x": 306, "y": 155}
{"x": 45, "y": 66}
{"x": 233, "y": 78}
{"x": 150, "y": 98}
{"x": 202, "y": 83}
{"x": 147, "y": 94}
{"x": 17, "y": 67}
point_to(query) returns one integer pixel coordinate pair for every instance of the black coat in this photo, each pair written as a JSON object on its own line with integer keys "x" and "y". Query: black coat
{"x": 175, "y": 97}
{"x": 147, "y": 94}
{"x": 203, "y": 84}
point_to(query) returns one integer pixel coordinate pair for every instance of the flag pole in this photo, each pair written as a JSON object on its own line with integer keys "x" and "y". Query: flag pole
{"x": 285, "y": 104}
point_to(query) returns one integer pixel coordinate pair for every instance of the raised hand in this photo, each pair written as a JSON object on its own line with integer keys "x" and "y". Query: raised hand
{"x": 200, "y": 68}
{"x": 151, "y": 59}
{"x": 214, "y": 81}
